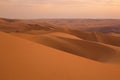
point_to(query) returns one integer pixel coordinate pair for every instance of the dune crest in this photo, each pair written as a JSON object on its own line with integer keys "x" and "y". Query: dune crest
{"x": 74, "y": 45}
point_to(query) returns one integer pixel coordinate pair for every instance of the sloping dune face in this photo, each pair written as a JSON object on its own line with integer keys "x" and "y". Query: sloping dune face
{"x": 91, "y": 45}
{"x": 97, "y": 37}
{"x": 74, "y": 45}
{"x": 78, "y": 47}
{"x": 24, "y": 60}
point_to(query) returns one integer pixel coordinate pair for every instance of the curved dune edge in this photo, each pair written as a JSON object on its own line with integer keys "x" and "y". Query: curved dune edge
{"x": 74, "y": 45}
{"x": 116, "y": 58}
{"x": 24, "y": 60}
{"x": 97, "y": 37}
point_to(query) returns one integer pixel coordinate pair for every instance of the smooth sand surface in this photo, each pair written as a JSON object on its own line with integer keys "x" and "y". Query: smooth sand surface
{"x": 24, "y": 60}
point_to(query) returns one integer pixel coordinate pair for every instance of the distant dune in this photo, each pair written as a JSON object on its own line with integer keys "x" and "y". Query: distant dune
{"x": 83, "y": 49}
{"x": 99, "y": 25}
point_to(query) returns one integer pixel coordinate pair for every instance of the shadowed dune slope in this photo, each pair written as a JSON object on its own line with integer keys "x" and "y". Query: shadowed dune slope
{"x": 24, "y": 60}
{"x": 97, "y": 37}
{"x": 74, "y": 45}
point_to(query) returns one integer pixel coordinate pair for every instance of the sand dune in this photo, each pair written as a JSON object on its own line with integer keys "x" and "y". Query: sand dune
{"x": 74, "y": 45}
{"x": 45, "y": 26}
{"x": 97, "y": 37}
{"x": 25, "y": 60}
{"x": 98, "y": 25}
{"x": 114, "y": 34}
{"x": 81, "y": 43}
{"x": 55, "y": 50}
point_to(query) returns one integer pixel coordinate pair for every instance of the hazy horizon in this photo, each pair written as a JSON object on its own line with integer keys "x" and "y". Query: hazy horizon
{"x": 60, "y": 18}
{"x": 60, "y": 9}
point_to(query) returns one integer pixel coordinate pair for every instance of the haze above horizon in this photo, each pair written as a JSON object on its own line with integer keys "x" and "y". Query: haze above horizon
{"x": 35, "y": 9}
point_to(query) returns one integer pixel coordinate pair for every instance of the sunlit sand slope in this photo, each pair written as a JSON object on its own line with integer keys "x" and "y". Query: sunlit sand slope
{"x": 24, "y": 60}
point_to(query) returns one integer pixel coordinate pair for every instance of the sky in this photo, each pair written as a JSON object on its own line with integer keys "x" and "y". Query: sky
{"x": 36, "y": 9}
